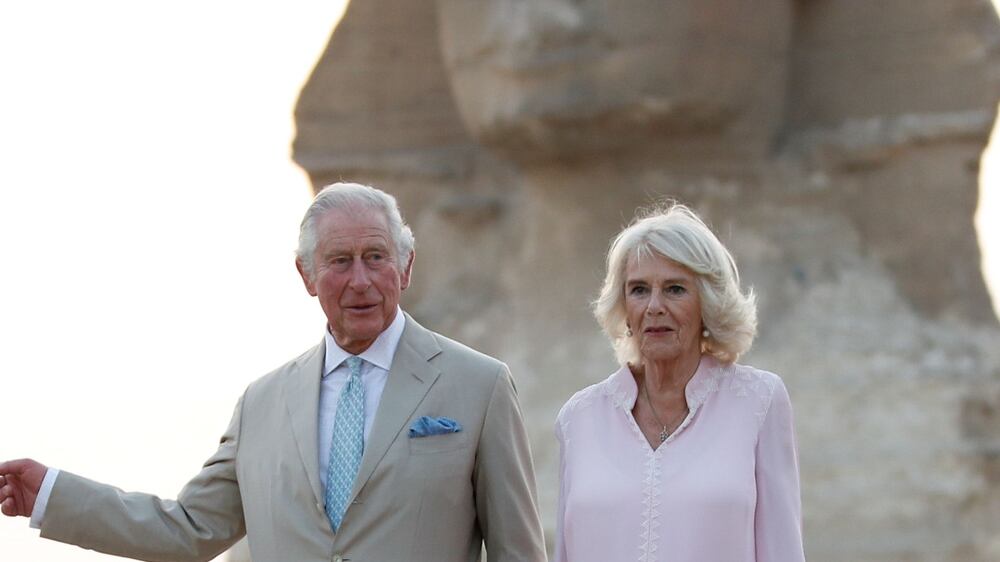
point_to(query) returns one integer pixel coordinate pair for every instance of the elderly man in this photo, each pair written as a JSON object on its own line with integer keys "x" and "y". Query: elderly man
{"x": 385, "y": 442}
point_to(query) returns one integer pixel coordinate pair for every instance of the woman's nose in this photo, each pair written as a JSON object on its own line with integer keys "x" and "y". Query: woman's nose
{"x": 655, "y": 305}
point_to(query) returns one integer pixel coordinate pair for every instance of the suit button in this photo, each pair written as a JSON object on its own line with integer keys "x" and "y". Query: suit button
{"x": 319, "y": 506}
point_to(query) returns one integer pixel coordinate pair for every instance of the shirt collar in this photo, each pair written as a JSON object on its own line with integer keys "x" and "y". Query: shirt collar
{"x": 624, "y": 390}
{"x": 379, "y": 353}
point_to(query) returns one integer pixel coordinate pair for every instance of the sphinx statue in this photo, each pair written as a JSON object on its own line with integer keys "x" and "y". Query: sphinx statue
{"x": 833, "y": 144}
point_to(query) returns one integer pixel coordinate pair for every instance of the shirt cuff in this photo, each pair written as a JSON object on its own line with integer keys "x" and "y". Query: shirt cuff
{"x": 42, "y": 501}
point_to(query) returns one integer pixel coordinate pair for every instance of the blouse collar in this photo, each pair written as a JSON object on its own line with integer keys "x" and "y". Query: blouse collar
{"x": 706, "y": 381}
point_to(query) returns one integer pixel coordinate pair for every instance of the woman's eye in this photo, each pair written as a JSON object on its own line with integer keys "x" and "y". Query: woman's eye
{"x": 637, "y": 290}
{"x": 676, "y": 290}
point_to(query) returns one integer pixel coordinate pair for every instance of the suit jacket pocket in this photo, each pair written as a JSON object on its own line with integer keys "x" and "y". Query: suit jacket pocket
{"x": 435, "y": 444}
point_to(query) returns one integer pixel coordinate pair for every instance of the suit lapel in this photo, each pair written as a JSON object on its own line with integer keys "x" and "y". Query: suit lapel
{"x": 302, "y": 403}
{"x": 410, "y": 378}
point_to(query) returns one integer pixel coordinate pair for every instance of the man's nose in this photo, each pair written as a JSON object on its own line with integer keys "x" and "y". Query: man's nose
{"x": 360, "y": 279}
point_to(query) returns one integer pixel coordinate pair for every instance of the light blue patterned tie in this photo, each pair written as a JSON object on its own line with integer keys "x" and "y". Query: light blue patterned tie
{"x": 347, "y": 445}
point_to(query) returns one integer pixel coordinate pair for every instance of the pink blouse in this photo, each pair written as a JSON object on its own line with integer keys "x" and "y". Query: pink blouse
{"x": 724, "y": 487}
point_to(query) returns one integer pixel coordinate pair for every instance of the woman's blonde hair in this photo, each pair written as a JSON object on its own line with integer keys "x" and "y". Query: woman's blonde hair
{"x": 677, "y": 233}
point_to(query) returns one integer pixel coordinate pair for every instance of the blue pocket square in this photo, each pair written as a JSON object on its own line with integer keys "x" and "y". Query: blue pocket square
{"x": 426, "y": 425}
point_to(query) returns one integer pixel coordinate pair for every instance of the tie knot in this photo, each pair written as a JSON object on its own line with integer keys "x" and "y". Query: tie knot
{"x": 354, "y": 364}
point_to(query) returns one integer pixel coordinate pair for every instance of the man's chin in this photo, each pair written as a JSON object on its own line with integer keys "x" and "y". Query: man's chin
{"x": 365, "y": 331}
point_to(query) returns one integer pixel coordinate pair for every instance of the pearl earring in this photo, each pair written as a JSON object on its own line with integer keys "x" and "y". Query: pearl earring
{"x": 705, "y": 333}
{"x": 628, "y": 332}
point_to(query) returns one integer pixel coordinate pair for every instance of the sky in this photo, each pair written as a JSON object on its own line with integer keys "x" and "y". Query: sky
{"x": 148, "y": 217}
{"x": 149, "y": 214}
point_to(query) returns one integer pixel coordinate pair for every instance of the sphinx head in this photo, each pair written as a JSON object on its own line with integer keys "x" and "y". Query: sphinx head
{"x": 556, "y": 77}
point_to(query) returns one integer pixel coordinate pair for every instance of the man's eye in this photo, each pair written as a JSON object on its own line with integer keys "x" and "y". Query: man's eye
{"x": 340, "y": 261}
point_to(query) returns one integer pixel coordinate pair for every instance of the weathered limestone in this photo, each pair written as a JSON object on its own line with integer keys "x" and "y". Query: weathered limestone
{"x": 833, "y": 144}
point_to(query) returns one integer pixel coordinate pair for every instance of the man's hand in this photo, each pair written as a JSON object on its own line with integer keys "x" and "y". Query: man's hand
{"x": 20, "y": 481}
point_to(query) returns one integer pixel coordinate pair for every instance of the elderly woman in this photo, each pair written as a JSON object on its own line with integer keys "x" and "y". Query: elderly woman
{"x": 681, "y": 455}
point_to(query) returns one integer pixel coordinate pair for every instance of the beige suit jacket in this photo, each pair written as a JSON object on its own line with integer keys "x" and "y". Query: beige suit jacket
{"x": 433, "y": 499}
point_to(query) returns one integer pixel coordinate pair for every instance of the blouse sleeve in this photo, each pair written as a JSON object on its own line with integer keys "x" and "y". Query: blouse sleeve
{"x": 560, "y": 553}
{"x": 778, "y": 517}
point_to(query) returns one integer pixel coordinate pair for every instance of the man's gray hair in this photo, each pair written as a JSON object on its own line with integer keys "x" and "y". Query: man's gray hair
{"x": 677, "y": 233}
{"x": 345, "y": 196}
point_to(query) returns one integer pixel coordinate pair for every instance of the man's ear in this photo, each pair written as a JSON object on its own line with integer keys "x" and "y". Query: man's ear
{"x": 307, "y": 279}
{"x": 404, "y": 276}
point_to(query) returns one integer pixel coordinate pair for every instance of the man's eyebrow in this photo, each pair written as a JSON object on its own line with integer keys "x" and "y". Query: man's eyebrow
{"x": 367, "y": 247}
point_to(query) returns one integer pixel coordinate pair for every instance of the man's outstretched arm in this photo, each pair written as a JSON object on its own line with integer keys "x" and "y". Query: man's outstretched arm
{"x": 206, "y": 518}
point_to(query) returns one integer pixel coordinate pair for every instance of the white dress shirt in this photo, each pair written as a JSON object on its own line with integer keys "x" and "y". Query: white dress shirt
{"x": 374, "y": 373}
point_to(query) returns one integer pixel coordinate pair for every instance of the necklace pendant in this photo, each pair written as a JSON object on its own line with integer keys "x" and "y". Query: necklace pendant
{"x": 664, "y": 434}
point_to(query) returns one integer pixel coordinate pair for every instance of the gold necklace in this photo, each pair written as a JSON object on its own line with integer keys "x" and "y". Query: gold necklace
{"x": 664, "y": 434}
